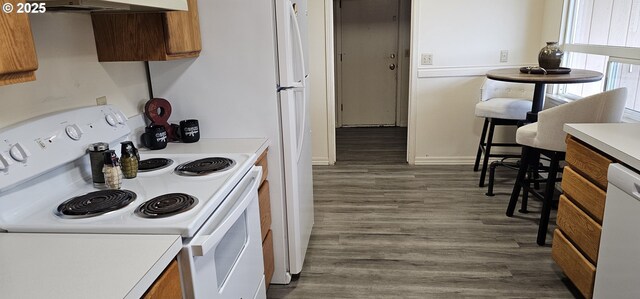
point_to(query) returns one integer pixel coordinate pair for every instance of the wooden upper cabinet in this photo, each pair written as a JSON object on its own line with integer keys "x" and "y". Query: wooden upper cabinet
{"x": 18, "y": 60}
{"x": 147, "y": 36}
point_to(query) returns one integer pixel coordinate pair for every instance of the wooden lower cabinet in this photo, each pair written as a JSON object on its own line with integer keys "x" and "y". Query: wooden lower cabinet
{"x": 581, "y": 229}
{"x": 265, "y": 209}
{"x": 576, "y": 241}
{"x": 267, "y": 253}
{"x": 167, "y": 285}
{"x": 577, "y": 268}
{"x": 264, "y": 201}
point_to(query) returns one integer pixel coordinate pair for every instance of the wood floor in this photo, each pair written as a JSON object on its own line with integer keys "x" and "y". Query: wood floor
{"x": 385, "y": 229}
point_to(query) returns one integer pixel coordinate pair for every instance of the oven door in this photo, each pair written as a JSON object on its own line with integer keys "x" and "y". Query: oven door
{"x": 224, "y": 259}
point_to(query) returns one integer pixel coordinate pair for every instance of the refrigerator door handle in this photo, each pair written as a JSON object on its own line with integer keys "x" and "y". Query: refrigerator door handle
{"x": 300, "y": 83}
{"x": 298, "y": 38}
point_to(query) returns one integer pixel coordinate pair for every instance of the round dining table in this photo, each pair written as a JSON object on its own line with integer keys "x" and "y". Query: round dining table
{"x": 540, "y": 81}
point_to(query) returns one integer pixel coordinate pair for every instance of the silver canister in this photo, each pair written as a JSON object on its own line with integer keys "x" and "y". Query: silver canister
{"x": 96, "y": 155}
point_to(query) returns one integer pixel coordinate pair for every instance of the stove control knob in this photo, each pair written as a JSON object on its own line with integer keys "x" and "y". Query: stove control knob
{"x": 4, "y": 162}
{"x": 111, "y": 120}
{"x": 120, "y": 118}
{"x": 19, "y": 153}
{"x": 73, "y": 131}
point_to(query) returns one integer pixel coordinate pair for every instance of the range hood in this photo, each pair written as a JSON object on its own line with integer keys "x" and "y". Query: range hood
{"x": 113, "y": 5}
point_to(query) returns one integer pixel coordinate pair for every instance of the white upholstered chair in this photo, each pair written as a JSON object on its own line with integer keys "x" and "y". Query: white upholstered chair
{"x": 501, "y": 104}
{"x": 546, "y": 137}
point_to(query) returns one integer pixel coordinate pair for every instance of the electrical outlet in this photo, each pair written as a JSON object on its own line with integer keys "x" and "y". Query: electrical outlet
{"x": 504, "y": 56}
{"x": 426, "y": 59}
{"x": 101, "y": 101}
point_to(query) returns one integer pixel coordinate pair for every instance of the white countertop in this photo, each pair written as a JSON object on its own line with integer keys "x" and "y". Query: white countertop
{"x": 620, "y": 140}
{"x": 82, "y": 266}
{"x": 215, "y": 146}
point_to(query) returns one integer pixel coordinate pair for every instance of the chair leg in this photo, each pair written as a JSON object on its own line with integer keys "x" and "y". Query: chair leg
{"x": 487, "y": 153}
{"x": 492, "y": 175}
{"x": 525, "y": 194}
{"x": 517, "y": 186}
{"x": 481, "y": 144}
{"x": 548, "y": 198}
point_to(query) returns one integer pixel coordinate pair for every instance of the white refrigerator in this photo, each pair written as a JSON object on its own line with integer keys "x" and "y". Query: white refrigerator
{"x": 250, "y": 81}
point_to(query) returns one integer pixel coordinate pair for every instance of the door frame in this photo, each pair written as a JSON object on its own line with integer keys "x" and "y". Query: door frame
{"x": 331, "y": 80}
{"x": 334, "y": 87}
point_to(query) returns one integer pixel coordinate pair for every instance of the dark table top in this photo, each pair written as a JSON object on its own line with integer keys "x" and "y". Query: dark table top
{"x": 514, "y": 75}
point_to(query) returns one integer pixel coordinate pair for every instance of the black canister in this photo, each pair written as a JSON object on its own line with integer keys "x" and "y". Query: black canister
{"x": 96, "y": 155}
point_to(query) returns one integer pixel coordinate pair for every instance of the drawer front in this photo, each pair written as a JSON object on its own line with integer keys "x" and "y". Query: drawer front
{"x": 579, "y": 270}
{"x": 587, "y": 162}
{"x": 267, "y": 253}
{"x": 584, "y": 193}
{"x": 262, "y": 161}
{"x": 265, "y": 208}
{"x": 578, "y": 227}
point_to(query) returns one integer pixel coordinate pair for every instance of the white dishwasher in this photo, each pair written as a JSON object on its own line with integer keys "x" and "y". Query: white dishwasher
{"x": 618, "y": 270}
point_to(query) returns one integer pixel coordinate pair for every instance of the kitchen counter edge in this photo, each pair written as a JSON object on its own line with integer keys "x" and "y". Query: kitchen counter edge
{"x": 618, "y": 140}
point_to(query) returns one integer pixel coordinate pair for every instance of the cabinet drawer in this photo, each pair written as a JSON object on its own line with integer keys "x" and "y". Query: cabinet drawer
{"x": 578, "y": 227}
{"x": 265, "y": 208}
{"x": 577, "y": 268}
{"x": 262, "y": 161}
{"x": 267, "y": 255}
{"x": 584, "y": 193}
{"x": 587, "y": 162}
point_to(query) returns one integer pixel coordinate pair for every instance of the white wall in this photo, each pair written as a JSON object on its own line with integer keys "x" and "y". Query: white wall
{"x": 69, "y": 74}
{"x": 465, "y": 38}
{"x": 446, "y": 131}
{"x": 553, "y": 24}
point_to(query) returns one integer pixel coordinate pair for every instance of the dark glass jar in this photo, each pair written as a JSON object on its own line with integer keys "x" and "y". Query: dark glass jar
{"x": 96, "y": 155}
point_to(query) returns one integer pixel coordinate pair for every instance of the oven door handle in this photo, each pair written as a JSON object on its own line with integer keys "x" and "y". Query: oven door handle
{"x": 201, "y": 245}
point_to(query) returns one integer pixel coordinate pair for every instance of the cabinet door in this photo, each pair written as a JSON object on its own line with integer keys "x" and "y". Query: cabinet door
{"x": 147, "y": 36}
{"x": 18, "y": 59}
{"x": 182, "y": 30}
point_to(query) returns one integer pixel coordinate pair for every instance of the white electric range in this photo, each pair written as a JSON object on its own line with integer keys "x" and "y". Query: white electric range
{"x": 44, "y": 164}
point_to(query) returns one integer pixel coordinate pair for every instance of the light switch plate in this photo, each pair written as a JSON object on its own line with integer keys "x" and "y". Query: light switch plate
{"x": 504, "y": 56}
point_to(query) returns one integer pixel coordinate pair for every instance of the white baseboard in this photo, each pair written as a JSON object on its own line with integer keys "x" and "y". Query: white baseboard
{"x": 320, "y": 161}
{"x": 445, "y": 160}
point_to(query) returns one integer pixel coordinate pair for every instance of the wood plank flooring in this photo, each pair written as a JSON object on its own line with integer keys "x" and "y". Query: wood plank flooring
{"x": 385, "y": 229}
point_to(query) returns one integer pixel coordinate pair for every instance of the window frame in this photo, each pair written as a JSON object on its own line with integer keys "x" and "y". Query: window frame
{"x": 613, "y": 53}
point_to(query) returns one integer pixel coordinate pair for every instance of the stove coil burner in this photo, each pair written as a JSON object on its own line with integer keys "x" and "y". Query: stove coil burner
{"x": 166, "y": 205}
{"x": 95, "y": 203}
{"x": 204, "y": 166}
{"x": 153, "y": 164}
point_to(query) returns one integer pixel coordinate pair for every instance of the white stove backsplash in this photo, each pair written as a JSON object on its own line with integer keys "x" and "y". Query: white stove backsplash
{"x": 137, "y": 123}
{"x": 34, "y": 147}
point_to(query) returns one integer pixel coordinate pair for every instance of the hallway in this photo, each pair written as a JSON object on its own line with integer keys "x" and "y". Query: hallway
{"x": 385, "y": 229}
